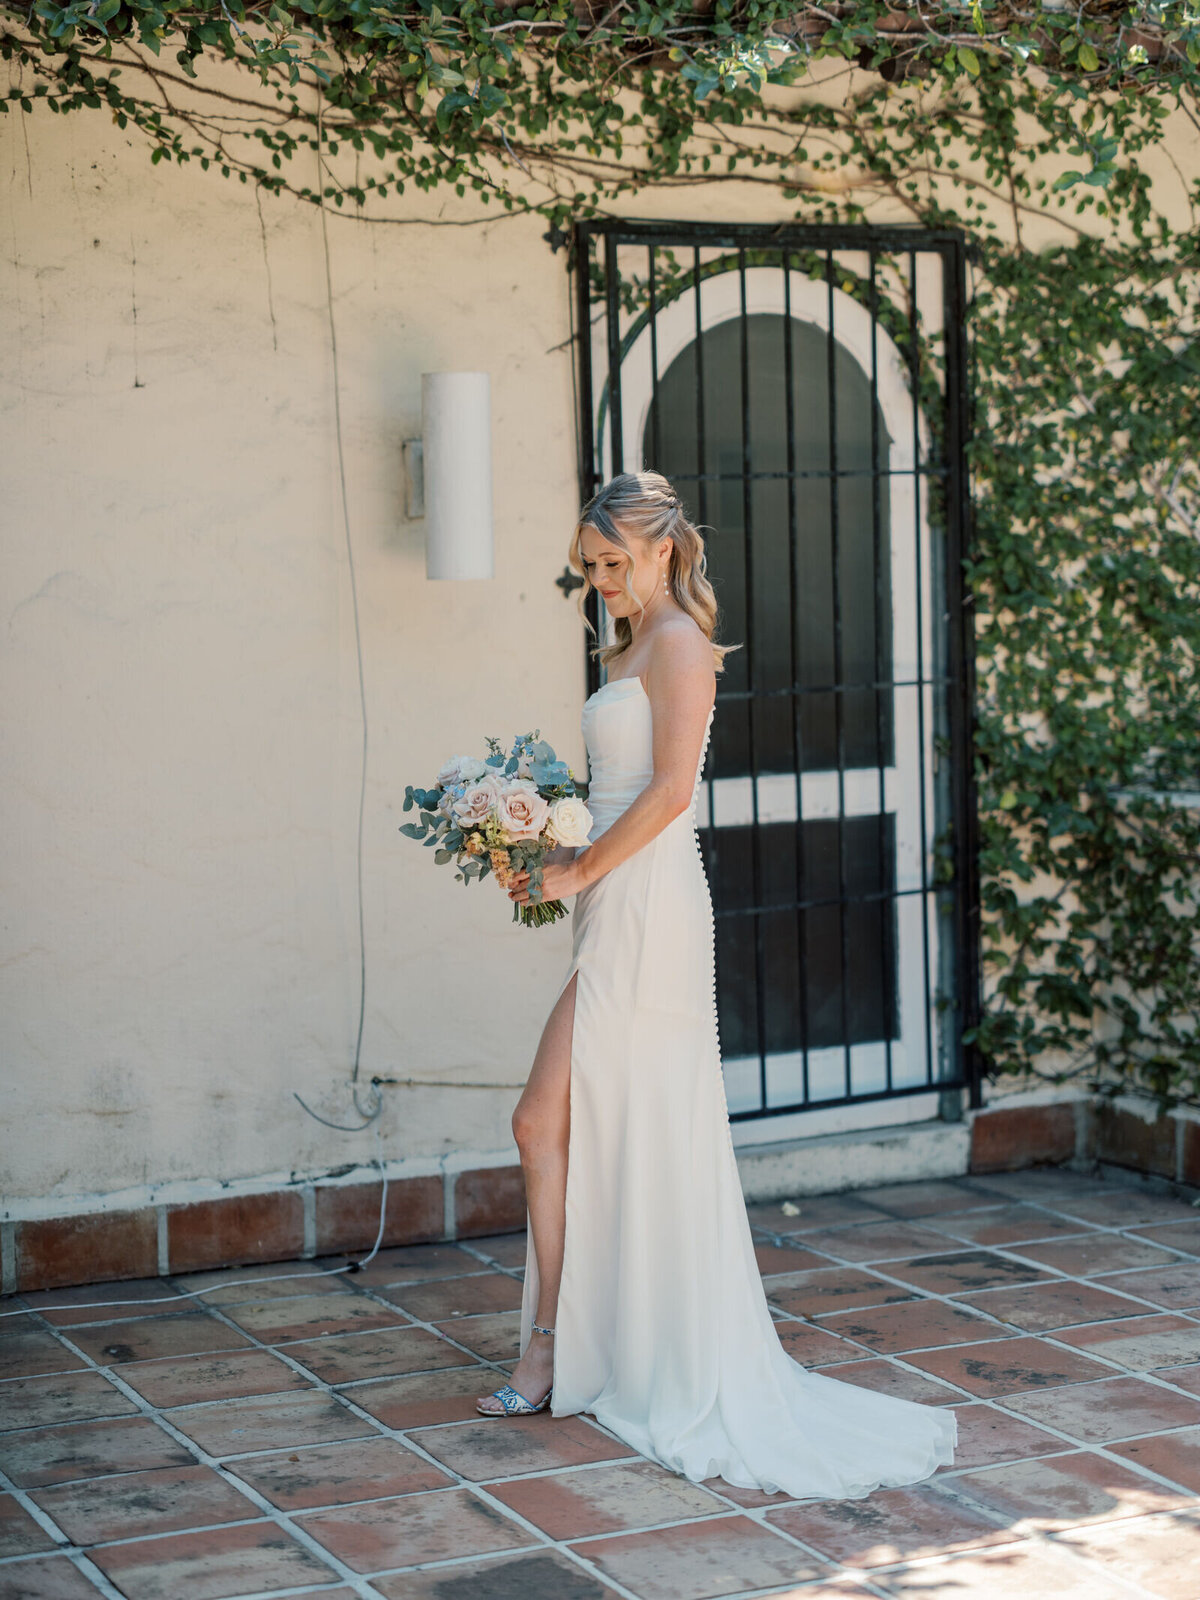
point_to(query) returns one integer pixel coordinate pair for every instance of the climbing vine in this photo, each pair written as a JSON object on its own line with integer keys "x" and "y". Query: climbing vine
{"x": 1038, "y": 130}
{"x": 1086, "y": 577}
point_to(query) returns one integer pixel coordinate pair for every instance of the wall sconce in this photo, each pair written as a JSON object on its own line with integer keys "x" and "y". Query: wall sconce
{"x": 450, "y": 474}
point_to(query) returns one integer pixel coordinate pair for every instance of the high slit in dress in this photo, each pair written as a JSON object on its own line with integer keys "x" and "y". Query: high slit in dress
{"x": 663, "y": 1332}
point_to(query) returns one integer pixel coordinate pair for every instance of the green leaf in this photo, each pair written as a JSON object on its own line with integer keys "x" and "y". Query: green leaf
{"x": 447, "y": 106}
{"x": 1088, "y": 59}
{"x": 969, "y": 59}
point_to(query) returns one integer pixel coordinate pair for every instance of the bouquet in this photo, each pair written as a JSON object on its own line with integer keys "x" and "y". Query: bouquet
{"x": 503, "y": 815}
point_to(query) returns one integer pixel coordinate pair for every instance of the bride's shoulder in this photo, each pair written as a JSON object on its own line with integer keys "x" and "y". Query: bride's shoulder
{"x": 682, "y": 635}
{"x": 681, "y": 647}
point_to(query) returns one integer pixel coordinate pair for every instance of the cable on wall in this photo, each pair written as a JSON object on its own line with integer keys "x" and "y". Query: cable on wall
{"x": 371, "y": 1113}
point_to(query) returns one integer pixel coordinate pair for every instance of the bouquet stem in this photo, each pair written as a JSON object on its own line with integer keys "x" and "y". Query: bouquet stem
{"x": 538, "y": 913}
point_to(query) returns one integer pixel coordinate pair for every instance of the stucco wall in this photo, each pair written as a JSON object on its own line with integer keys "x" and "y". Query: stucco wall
{"x": 182, "y": 761}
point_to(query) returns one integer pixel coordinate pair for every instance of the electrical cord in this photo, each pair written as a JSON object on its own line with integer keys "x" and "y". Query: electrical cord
{"x": 369, "y": 1115}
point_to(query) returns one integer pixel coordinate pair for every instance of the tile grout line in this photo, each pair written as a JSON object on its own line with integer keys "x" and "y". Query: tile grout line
{"x": 8, "y": 1258}
{"x": 78, "y": 1557}
{"x": 478, "y": 1487}
{"x": 283, "y": 1518}
{"x": 254, "y": 1497}
{"x": 757, "y": 1514}
{"x": 876, "y": 1265}
{"x": 308, "y": 1201}
{"x": 946, "y": 1482}
{"x": 1108, "y": 1454}
{"x": 1180, "y": 1147}
{"x": 566, "y": 1548}
{"x": 1044, "y": 1336}
{"x": 947, "y": 1559}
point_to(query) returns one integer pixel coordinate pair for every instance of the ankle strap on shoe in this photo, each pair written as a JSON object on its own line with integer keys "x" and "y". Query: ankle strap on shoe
{"x": 536, "y": 1329}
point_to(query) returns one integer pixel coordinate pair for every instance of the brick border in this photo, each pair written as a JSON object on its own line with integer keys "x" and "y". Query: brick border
{"x": 1006, "y": 1138}
{"x": 323, "y": 1218}
{"x": 1126, "y": 1132}
{"x": 296, "y": 1223}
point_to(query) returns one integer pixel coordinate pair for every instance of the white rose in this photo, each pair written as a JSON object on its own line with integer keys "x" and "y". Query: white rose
{"x": 570, "y": 820}
{"x": 459, "y": 769}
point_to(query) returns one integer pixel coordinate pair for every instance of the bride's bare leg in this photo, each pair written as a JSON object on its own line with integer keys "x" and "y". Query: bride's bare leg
{"x": 541, "y": 1125}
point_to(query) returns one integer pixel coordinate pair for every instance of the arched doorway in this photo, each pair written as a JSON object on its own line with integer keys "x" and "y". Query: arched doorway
{"x": 784, "y": 412}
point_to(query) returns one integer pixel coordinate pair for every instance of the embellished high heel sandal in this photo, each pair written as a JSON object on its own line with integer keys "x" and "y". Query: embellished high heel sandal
{"x": 515, "y": 1404}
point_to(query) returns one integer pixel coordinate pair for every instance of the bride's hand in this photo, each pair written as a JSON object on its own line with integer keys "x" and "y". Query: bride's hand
{"x": 559, "y": 881}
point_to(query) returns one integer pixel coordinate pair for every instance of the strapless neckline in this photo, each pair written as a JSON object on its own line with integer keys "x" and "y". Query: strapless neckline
{"x": 612, "y": 684}
{"x": 636, "y": 678}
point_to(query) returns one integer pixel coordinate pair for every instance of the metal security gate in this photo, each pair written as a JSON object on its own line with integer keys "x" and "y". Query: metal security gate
{"x": 804, "y": 388}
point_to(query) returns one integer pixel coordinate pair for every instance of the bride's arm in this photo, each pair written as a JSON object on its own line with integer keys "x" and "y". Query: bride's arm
{"x": 680, "y": 682}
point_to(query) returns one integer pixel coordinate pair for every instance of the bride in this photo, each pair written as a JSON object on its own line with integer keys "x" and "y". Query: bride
{"x": 642, "y": 1300}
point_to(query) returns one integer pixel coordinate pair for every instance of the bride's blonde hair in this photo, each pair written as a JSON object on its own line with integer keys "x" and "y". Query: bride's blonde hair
{"x": 644, "y": 505}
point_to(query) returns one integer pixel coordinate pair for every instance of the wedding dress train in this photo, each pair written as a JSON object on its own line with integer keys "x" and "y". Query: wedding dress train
{"x": 663, "y": 1332}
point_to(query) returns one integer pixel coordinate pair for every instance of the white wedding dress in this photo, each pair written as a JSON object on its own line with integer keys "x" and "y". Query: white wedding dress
{"x": 662, "y": 1329}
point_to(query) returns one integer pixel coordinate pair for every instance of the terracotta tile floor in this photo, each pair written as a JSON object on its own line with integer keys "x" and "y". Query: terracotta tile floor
{"x": 281, "y": 1433}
